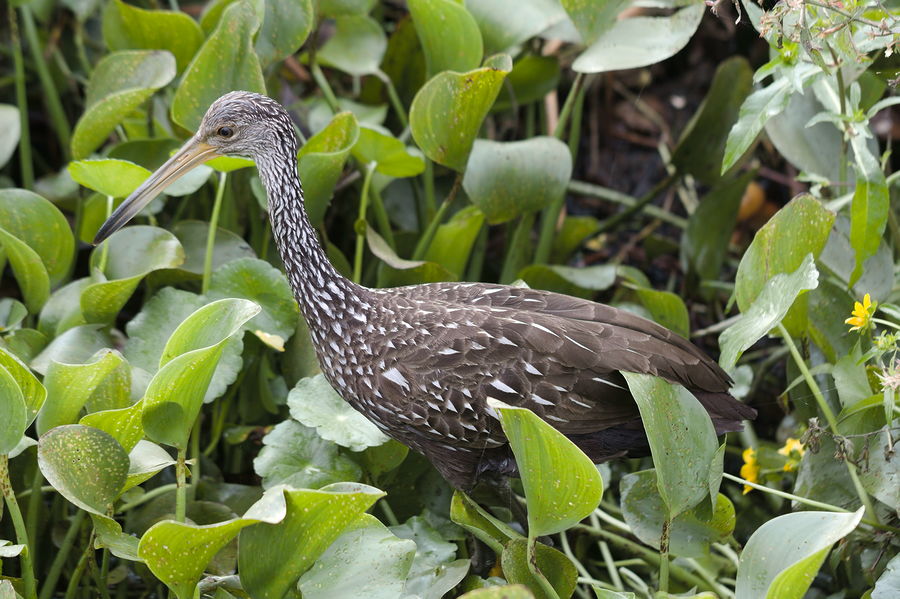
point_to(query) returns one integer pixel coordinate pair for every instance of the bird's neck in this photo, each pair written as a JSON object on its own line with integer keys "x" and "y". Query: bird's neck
{"x": 324, "y": 295}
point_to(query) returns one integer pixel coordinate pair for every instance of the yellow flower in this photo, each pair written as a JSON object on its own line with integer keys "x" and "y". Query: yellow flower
{"x": 750, "y": 469}
{"x": 862, "y": 314}
{"x": 792, "y": 446}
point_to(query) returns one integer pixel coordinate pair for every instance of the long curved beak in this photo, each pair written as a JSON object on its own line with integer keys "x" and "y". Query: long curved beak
{"x": 190, "y": 155}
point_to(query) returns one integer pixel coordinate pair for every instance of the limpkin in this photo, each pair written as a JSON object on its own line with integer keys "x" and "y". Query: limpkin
{"x": 422, "y": 361}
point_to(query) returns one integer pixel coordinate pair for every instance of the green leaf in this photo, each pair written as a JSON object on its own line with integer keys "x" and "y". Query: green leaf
{"x": 176, "y": 392}
{"x": 258, "y": 281}
{"x": 119, "y": 84}
{"x": 295, "y": 455}
{"x": 10, "y": 132}
{"x": 127, "y": 27}
{"x": 435, "y": 569}
{"x": 365, "y": 562}
{"x": 15, "y": 413}
{"x": 781, "y": 558}
{"x": 702, "y": 145}
{"x": 881, "y": 477}
{"x": 690, "y": 534}
{"x": 531, "y": 79}
{"x": 322, "y": 160}
{"x": 491, "y": 531}
{"x": 667, "y": 309}
{"x": 12, "y": 313}
{"x": 133, "y": 254}
{"x": 559, "y": 571}
{"x": 192, "y": 235}
{"x": 33, "y": 392}
{"x": 505, "y": 24}
{"x": 76, "y": 346}
{"x": 453, "y": 240}
{"x": 888, "y": 584}
{"x": 709, "y": 229}
{"x": 206, "y": 80}
{"x": 592, "y": 18}
{"x": 781, "y": 246}
{"x": 123, "y": 424}
{"x": 146, "y": 459}
{"x": 271, "y": 560}
{"x": 337, "y": 8}
{"x": 868, "y": 217}
{"x": 390, "y": 155}
{"x": 395, "y": 271}
{"x": 506, "y": 591}
{"x": 111, "y": 177}
{"x": 507, "y": 179}
{"x": 315, "y": 404}
{"x": 87, "y": 466}
{"x": 757, "y": 109}
{"x": 561, "y": 484}
{"x": 149, "y": 331}
{"x": 447, "y": 112}
{"x": 28, "y": 269}
{"x": 62, "y": 311}
{"x": 285, "y": 26}
{"x": 640, "y": 41}
{"x": 70, "y": 387}
{"x": 682, "y": 440}
{"x": 42, "y": 227}
{"x": 449, "y": 35}
{"x": 571, "y": 280}
{"x": 357, "y": 46}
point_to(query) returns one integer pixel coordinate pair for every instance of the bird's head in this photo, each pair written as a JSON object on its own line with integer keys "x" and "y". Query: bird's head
{"x": 238, "y": 123}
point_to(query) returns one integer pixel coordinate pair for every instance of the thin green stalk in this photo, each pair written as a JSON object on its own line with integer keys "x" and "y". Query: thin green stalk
{"x": 566, "y": 111}
{"x": 664, "y": 557}
{"x": 323, "y": 84}
{"x": 62, "y": 555}
{"x": 621, "y": 217}
{"x": 549, "y": 220}
{"x": 180, "y": 488}
{"x": 829, "y": 417}
{"x": 51, "y": 96}
{"x": 428, "y": 236}
{"x": 211, "y": 234}
{"x": 381, "y": 215}
{"x": 842, "y": 98}
{"x": 393, "y": 97}
{"x": 361, "y": 223}
{"x": 25, "y": 164}
{"x": 429, "y": 201}
{"x": 195, "y": 454}
{"x": 596, "y": 191}
{"x": 476, "y": 260}
{"x": 517, "y": 253}
{"x": 151, "y": 494}
{"x": 104, "y": 252}
{"x": 575, "y": 128}
{"x": 19, "y": 526}
{"x": 72, "y": 587}
{"x": 545, "y": 585}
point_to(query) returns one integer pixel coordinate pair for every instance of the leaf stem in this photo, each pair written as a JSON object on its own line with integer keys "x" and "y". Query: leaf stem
{"x": 596, "y": 191}
{"x": 51, "y": 96}
{"x": 62, "y": 555}
{"x": 542, "y": 581}
{"x": 381, "y": 215}
{"x": 829, "y": 417}
{"x": 180, "y": 488}
{"x": 211, "y": 234}
{"x": 393, "y": 97}
{"x": 638, "y": 206}
{"x": 151, "y": 494}
{"x": 664, "y": 556}
{"x": 566, "y": 111}
{"x": 428, "y": 235}
{"x": 323, "y": 84}
{"x": 19, "y": 525}
{"x": 361, "y": 222}
{"x": 25, "y": 161}
{"x": 72, "y": 587}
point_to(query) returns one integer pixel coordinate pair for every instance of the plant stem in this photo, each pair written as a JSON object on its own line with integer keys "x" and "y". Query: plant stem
{"x": 567, "y": 106}
{"x": 664, "y": 556}
{"x": 361, "y": 222}
{"x": 211, "y": 234}
{"x": 19, "y": 525}
{"x": 542, "y": 581}
{"x": 428, "y": 235}
{"x": 323, "y": 84}
{"x": 180, "y": 489}
{"x": 72, "y": 587}
{"x": 829, "y": 417}
{"x": 51, "y": 97}
{"x": 549, "y": 220}
{"x": 62, "y": 555}
{"x": 381, "y": 215}
{"x": 104, "y": 251}
{"x": 393, "y": 97}
{"x": 596, "y": 191}
{"x": 638, "y": 206}
{"x": 151, "y": 494}
{"x": 25, "y": 165}
{"x": 517, "y": 254}
{"x": 34, "y": 502}
{"x": 427, "y": 211}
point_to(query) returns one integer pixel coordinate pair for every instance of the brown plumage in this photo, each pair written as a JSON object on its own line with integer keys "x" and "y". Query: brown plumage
{"x": 422, "y": 361}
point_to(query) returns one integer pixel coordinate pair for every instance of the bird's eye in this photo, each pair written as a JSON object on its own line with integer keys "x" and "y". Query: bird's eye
{"x": 225, "y": 131}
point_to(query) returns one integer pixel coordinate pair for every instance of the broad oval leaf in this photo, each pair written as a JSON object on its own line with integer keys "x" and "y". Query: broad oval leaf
{"x": 682, "y": 440}
{"x": 271, "y": 560}
{"x": 390, "y": 155}
{"x": 127, "y": 27}
{"x": 507, "y": 179}
{"x": 453, "y": 240}
{"x": 449, "y": 35}
{"x": 111, "y": 177}
{"x": 123, "y": 424}
{"x": 781, "y": 558}
{"x": 447, "y": 112}
{"x": 561, "y": 484}
{"x": 15, "y": 413}
{"x": 357, "y": 46}
{"x": 322, "y": 159}
{"x": 40, "y": 225}
{"x": 86, "y": 465}
{"x": 295, "y": 455}
{"x": 640, "y": 41}
{"x": 206, "y": 80}
{"x": 285, "y": 26}
{"x": 228, "y": 246}
{"x": 315, "y": 404}
{"x": 592, "y": 18}
{"x": 119, "y": 84}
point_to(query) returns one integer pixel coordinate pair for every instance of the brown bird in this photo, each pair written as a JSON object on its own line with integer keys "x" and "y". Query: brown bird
{"x": 421, "y": 362}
